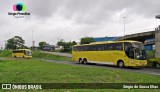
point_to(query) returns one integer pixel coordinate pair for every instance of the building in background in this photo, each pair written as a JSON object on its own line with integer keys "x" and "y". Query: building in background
{"x": 149, "y": 44}
{"x": 100, "y": 39}
{"x": 49, "y": 47}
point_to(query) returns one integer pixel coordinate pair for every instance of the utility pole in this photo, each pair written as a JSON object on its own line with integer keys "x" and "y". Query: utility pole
{"x": 5, "y": 44}
{"x": 124, "y": 24}
{"x": 32, "y": 41}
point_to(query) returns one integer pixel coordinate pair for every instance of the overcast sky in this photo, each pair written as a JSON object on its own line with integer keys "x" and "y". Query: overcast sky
{"x": 73, "y": 19}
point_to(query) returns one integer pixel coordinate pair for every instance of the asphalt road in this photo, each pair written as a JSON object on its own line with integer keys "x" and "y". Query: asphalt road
{"x": 153, "y": 71}
{"x": 59, "y": 54}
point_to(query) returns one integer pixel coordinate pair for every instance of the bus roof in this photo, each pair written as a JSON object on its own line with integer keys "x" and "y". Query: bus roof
{"x": 108, "y": 42}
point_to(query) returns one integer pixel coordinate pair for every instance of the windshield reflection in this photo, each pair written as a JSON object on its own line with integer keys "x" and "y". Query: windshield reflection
{"x": 140, "y": 52}
{"x": 29, "y": 53}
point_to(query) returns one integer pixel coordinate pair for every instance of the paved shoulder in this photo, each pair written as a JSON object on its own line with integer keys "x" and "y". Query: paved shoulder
{"x": 59, "y": 54}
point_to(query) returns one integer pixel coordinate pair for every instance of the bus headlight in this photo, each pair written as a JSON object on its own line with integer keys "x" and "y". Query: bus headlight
{"x": 138, "y": 57}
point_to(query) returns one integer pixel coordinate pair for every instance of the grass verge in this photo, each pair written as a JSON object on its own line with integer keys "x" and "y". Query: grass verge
{"x": 36, "y": 54}
{"x": 36, "y": 71}
{"x": 41, "y": 55}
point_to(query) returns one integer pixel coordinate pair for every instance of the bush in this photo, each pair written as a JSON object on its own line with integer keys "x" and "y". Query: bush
{"x": 1, "y": 60}
{"x": 5, "y": 53}
{"x": 154, "y": 62}
{"x": 150, "y": 54}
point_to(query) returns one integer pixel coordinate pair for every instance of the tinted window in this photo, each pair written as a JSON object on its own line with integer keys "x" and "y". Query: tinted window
{"x": 99, "y": 47}
{"x": 127, "y": 45}
{"x": 18, "y": 51}
{"x": 118, "y": 46}
{"x": 110, "y": 46}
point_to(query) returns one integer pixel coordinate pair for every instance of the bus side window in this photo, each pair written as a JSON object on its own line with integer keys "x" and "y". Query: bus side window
{"x": 106, "y": 47}
{"x": 100, "y": 47}
{"x": 78, "y": 48}
{"x": 91, "y": 48}
{"x": 94, "y": 47}
{"x": 110, "y": 46}
{"x": 117, "y": 46}
{"x": 127, "y": 45}
{"x": 75, "y": 48}
{"x": 85, "y": 48}
{"x": 25, "y": 52}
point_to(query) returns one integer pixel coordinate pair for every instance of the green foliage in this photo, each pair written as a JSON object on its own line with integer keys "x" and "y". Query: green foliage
{"x": 87, "y": 40}
{"x": 74, "y": 43}
{"x": 66, "y": 45}
{"x": 42, "y": 44}
{"x": 5, "y": 53}
{"x": 61, "y": 42}
{"x": 150, "y": 54}
{"x": 154, "y": 62}
{"x": 15, "y": 42}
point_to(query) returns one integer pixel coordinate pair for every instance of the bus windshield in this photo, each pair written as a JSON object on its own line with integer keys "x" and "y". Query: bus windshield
{"x": 140, "y": 52}
{"x": 138, "y": 45}
{"x": 28, "y": 53}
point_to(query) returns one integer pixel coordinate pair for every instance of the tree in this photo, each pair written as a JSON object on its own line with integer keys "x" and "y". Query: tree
{"x": 15, "y": 42}
{"x": 74, "y": 43}
{"x": 61, "y": 42}
{"x": 87, "y": 40}
{"x": 42, "y": 44}
{"x": 66, "y": 45}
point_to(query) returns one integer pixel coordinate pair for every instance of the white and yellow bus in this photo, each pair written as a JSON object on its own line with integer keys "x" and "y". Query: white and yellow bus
{"x": 119, "y": 53}
{"x": 24, "y": 53}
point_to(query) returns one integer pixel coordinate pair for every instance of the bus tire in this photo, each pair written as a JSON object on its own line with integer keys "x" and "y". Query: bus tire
{"x": 80, "y": 60}
{"x": 85, "y": 61}
{"x": 14, "y": 56}
{"x": 23, "y": 56}
{"x": 120, "y": 64}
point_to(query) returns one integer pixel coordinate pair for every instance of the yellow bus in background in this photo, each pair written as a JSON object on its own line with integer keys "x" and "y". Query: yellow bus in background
{"x": 119, "y": 53}
{"x": 24, "y": 53}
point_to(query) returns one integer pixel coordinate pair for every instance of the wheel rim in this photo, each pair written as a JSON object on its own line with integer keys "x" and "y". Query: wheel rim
{"x": 80, "y": 61}
{"x": 121, "y": 64}
{"x": 85, "y": 61}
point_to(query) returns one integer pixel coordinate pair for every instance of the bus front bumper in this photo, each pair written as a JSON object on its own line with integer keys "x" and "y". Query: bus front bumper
{"x": 138, "y": 64}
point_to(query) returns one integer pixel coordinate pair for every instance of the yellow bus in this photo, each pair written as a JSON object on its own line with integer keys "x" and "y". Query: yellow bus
{"x": 24, "y": 53}
{"x": 120, "y": 53}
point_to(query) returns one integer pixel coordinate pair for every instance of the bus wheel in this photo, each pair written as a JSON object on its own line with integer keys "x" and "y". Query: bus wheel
{"x": 23, "y": 56}
{"x": 80, "y": 60}
{"x": 120, "y": 64}
{"x": 14, "y": 56}
{"x": 85, "y": 61}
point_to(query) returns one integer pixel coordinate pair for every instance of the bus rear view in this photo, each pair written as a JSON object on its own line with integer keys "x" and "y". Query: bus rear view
{"x": 24, "y": 53}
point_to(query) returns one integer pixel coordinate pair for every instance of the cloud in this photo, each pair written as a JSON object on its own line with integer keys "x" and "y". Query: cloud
{"x": 72, "y": 19}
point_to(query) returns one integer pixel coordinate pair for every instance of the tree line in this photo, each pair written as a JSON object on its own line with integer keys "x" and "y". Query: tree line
{"x": 18, "y": 42}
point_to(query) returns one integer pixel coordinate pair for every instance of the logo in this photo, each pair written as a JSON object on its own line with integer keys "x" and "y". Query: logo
{"x": 19, "y": 7}
{"x": 19, "y": 10}
{"x": 6, "y": 86}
